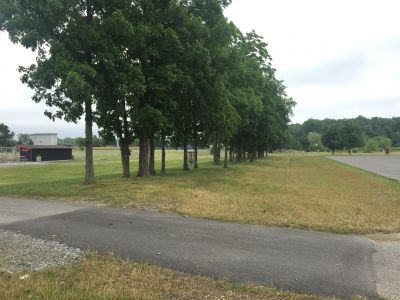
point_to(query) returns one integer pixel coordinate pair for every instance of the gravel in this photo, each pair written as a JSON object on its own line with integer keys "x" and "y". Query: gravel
{"x": 387, "y": 269}
{"x": 19, "y": 253}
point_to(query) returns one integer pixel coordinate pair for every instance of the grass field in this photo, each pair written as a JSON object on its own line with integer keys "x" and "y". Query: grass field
{"x": 105, "y": 277}
{"x": 309, "y": 191}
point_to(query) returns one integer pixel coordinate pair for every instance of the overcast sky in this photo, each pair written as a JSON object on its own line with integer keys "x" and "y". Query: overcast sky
{"x": 339, "y": 59}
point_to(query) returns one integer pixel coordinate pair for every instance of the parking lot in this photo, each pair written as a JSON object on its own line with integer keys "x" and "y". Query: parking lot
{"x": 388, "y": 166}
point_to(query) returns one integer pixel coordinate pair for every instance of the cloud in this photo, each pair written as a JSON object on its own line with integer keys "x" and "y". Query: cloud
{"x": 338, "y": 58}
{"x": 31, "y": 119}
{"x": 342, "y": 71}
{"x": 17, "y": 110}
{"x": 350, "y": 108}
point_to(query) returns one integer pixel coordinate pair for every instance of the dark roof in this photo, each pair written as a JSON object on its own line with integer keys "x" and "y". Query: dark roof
{"x": 43, "y": 147}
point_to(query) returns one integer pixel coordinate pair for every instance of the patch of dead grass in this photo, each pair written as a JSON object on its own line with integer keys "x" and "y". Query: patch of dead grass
{"x": 105, "y": 277}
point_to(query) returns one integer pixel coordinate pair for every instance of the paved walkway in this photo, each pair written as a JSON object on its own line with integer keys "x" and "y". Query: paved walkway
{"x": 301, "y": 261}
{"x": 22, "y": 164}
{"x": 388, "y": 166}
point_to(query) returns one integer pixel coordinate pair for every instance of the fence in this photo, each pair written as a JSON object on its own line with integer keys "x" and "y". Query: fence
{"x": 8, "y": 154}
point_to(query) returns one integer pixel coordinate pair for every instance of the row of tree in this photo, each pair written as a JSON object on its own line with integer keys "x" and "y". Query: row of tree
{"x": 319, "y": 135}
{"x": 175, "y": 71}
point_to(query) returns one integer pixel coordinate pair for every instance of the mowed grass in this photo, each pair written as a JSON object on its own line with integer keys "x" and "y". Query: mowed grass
{"x": 106, "y": 277}
{"x": 307, "y": 191}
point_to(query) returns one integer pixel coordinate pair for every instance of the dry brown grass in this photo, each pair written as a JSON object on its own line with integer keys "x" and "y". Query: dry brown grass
{"x": 105, "y": 277}
{"x": 309, "y": 192}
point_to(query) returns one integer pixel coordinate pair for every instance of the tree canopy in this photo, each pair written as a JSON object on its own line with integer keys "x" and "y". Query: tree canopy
{"x": 6, "y": 136}
{"x": 332, "y": 138}
{"x": 24, "y": 139}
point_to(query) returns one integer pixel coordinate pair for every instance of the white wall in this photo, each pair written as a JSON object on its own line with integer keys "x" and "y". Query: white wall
{"x": 44, "y": 139}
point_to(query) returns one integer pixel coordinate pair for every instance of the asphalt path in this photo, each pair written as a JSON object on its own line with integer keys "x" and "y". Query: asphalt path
{"x": 387, "y": 166}
{"x": 23, "y": 164}
{"x": 295, "y": 260}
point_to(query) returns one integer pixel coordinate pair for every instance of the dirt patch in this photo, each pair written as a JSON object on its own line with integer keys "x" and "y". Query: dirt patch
{"x": 384, "y": 238}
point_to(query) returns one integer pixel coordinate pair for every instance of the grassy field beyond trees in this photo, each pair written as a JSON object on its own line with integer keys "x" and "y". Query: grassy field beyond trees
{"x": 309, "y": 191}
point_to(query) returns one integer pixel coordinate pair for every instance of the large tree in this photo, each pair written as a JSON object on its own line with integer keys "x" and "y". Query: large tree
{"x": 192, "y": 88}
{"x": 65, "y": 36}
{"x": 351, "y": 135}
{"x": 120, "y": 78}
{"x": 332, "y": 138}
{"x": 24, "y": 139}
{"x": 219, "y": 37}
{"x": 6, "y": 136}
{"x": 259, "y": 99}
{"x": 156, "y": 53}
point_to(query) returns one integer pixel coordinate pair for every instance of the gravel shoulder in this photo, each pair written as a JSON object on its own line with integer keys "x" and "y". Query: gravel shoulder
{"x": 387, "y": 265}
{"x": 21, "y": 253}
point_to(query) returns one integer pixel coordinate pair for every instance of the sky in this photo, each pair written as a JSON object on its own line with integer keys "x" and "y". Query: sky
{"x": 338, "y": 59}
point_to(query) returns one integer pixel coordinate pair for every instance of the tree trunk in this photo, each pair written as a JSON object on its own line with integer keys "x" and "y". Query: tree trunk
{"x": 125, "y": 155}
{"x": 89, "y": 177}
{"x": 185, "y": 157}
{"x": 226, "y": 155}
{"x": 217, "y": 150}
{"x": 333, "y": 151}
{"x": 152, "y": 169}
{"x": 253, "y": 155}
{"x": 196, "y": 152}
{"x": 143, "y": 170}
{"x": 163, "y": 165}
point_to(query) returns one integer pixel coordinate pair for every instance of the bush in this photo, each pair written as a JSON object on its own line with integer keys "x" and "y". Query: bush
{"x": 371, "y": 146}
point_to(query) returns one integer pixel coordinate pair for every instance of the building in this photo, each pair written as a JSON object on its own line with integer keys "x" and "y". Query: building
{"x": 45, "y": 153}
{"x": 44, "y": 139}
{"x": 45, "y": 148}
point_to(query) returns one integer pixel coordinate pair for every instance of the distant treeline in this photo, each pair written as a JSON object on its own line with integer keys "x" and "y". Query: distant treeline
{"x": 372, "y": 134}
